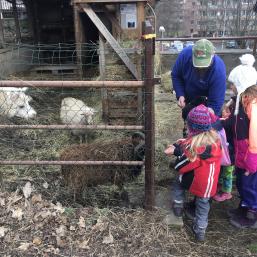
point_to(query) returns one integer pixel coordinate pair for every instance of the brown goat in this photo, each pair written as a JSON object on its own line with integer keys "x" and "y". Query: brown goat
{"x": 77, "y": 177}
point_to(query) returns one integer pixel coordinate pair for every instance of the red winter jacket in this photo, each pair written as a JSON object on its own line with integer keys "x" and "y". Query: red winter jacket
{"x": 206, "y": 170}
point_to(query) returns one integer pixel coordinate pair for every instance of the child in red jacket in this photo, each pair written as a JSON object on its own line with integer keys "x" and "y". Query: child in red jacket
{"x": 198, "y": 155}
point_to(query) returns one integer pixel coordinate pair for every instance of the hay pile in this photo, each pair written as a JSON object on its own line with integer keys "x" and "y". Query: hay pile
{"x": 79, "y": 177}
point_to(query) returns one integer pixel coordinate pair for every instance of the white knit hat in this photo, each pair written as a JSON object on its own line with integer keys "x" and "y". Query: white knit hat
{"x": 243, "y": 76}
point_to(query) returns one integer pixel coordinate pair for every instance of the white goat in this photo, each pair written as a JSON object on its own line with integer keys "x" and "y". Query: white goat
{"x": 76, "y": 112}
{"x": 14, "y": 102}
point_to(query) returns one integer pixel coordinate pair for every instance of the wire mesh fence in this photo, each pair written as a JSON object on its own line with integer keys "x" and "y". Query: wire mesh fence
{"x": 39, "y": 123}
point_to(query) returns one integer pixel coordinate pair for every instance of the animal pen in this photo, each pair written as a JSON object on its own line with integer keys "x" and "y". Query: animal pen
{"x": 127, "y": 105}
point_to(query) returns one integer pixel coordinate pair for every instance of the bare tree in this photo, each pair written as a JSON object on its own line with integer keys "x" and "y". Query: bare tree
{"x": 169, "y": 15}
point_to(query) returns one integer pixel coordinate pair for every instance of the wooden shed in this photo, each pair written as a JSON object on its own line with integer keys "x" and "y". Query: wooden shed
{"x": 106, "y": 23}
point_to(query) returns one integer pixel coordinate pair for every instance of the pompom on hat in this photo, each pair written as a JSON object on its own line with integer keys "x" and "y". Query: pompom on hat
{"x": 199, "y": 120}
{"x": 243, "y": 76}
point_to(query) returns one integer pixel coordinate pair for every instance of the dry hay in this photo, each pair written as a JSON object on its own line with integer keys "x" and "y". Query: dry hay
{"x": 166, "y": 82}
{"x": 157, "y": 60}
{"x": 79, "y": 177}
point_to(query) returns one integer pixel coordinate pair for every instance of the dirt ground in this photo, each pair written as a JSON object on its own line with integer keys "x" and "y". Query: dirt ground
{"x": 38, "y": 216}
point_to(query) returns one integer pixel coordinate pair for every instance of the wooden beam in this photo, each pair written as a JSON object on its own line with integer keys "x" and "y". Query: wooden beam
{"x": 78, "y": 38}
{"x": 111, "y": 40}
{"x": 1, "y": 28}
{"x": 102, "y": 77}
{"x": 16, "y": 21}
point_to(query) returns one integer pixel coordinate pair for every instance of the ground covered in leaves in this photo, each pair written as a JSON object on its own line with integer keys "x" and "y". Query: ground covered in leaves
{"x": 31, "y": 224}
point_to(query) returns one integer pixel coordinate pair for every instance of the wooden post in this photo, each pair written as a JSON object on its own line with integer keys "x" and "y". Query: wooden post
{"x": 31, "y": 19}
{"x": 78, "y": 38}
{"x": 149, "y": 116}
{"x": 1, "y": 26}
{"x": 16, "y": 21}
{"x": 36, "y": 20}
{"x": 102, "y": 77}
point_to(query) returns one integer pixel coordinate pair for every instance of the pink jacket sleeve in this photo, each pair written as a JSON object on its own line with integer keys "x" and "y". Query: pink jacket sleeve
{"x": 251, "y": 154}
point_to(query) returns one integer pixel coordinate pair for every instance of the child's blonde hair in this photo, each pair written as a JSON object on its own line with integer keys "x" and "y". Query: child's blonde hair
{"x": 248, "y": 96}
{"x": 210, "y": 137}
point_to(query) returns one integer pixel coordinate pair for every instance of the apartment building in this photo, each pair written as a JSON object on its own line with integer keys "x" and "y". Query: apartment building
{"x": 190, "y": 18}
{"x": 226, "y": 17}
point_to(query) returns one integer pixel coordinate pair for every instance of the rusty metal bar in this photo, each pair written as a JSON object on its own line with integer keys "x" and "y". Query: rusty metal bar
{"x": 209, "y": 38}
{"x": 95, "y": 163}
{"x": 64, "y": 127}
{"x": 149, "y": 117}
{"x": 82, "y": 84}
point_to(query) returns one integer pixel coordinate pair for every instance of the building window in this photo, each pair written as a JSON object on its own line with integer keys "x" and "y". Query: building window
{"x": 192, "y": 22}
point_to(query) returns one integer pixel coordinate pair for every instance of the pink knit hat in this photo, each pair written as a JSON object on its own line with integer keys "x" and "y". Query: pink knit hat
{"x": 199, "y": 120}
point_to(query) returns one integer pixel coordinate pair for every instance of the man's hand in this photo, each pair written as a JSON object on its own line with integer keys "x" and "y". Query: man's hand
{"x": 181, "y": 102}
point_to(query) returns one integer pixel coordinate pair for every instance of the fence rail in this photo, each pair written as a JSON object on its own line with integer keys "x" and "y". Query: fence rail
{"x": 64, "y": 127}
{"x": 81, "y": 163}
{"x": 68, "y": 84}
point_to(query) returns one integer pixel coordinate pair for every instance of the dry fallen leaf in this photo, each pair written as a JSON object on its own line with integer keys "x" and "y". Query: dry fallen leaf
{"x": 36, "y": 198}
{"x": 2, "y": 202}
{"x": 45, "y": 185}
{"x": 60, "y": 242}
{"x": 72, "y": 228}
{"x": 100, "y": 225}
{"x": 27, "y": 190}
{"x": 17, "y": 213}
{"x": 24, "y": 246}
{"x": 81, "y": 222}
{"x": 84, "y": 244}
{"x": 108, "y": 239}
{"x": 61, "y": 231}
{"x": 37, "y": 241}
{"x": 59, "y": 207}
{"x": 3, "y": 230}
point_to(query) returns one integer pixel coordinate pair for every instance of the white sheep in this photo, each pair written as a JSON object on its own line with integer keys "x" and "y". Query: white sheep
{"x": 14, "y": 102}
{"x": 76, "y": 112}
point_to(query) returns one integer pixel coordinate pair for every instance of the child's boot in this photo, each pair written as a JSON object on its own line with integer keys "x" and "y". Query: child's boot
{"x": 249, "y": 220}
{"x": 252, "y": 215}
{"x": 177, "y": 207}
{"x": 199, "y": 233}
{"x": 222, "y": 197}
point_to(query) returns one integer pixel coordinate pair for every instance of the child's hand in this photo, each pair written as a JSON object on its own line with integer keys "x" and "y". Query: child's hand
{"x": 225, "y": 112}
{"x": 247, "y": 173}
{"x": 169, "y": 150}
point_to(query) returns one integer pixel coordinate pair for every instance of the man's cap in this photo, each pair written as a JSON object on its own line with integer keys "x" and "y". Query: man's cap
{"x": 203, "y": 52}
